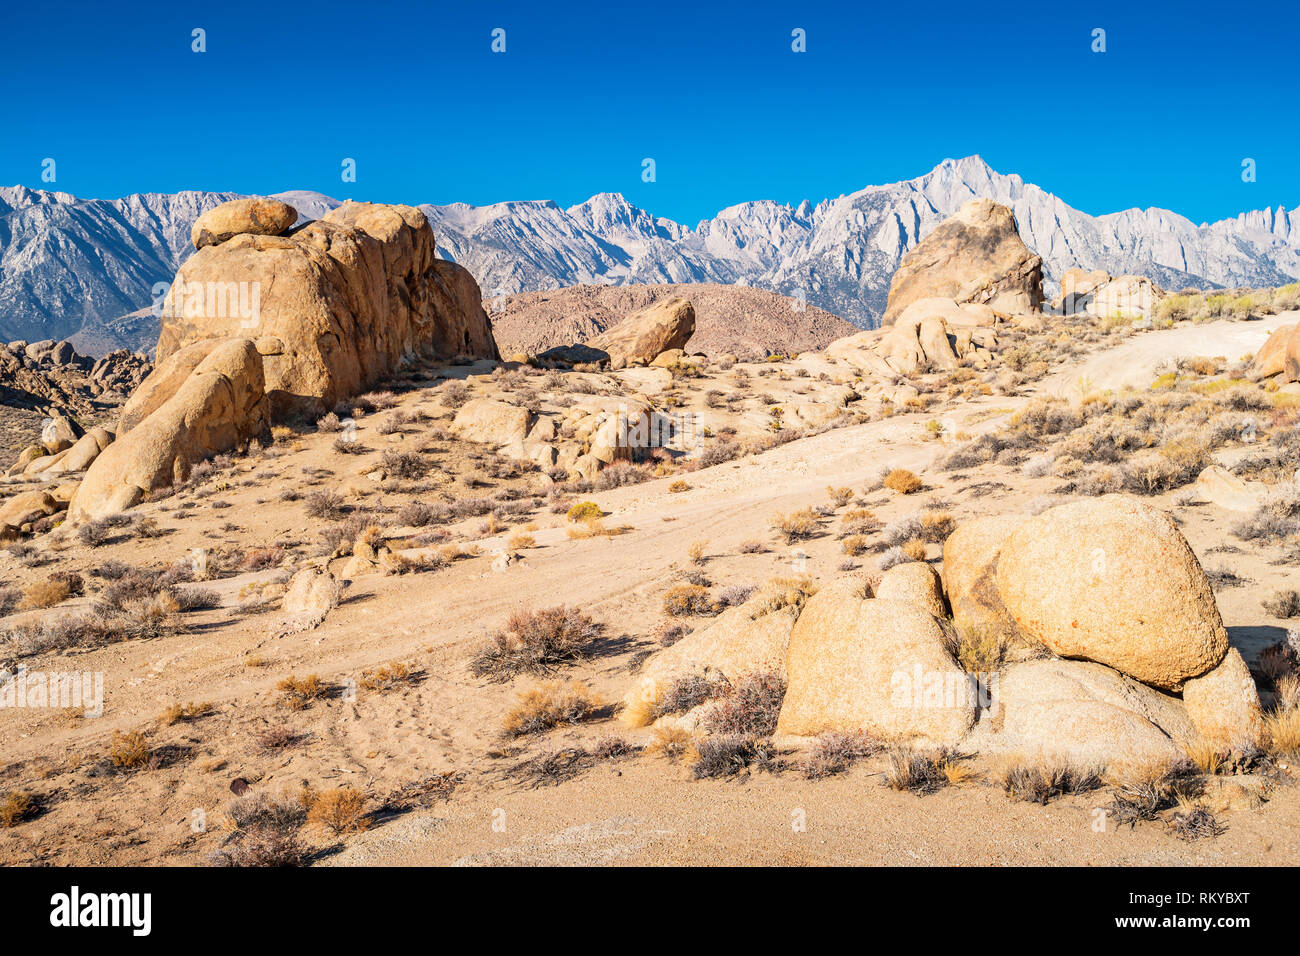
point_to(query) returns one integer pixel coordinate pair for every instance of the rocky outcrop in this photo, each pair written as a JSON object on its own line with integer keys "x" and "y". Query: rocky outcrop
{"x": 641, "y": 337}
{"x": 1113, "y": 580}
{"x": 977, "y": 256}
{"x": 258, "y": 216}
{"x": 1223, "y": 704}
{"x": 333, "y": 308}
{"x": 874, "y": 665}
{"x": 932, "y": 333}
{"x": 207, "y": 398}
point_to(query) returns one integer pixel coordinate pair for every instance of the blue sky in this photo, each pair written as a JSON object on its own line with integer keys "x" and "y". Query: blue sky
{"x": 711, "y": 91}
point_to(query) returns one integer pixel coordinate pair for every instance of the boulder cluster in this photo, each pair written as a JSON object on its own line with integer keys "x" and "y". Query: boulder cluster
{"x": 51, "y": 375}
{"x": 1098, "y": 293}
{"x": 1118, "y": 654}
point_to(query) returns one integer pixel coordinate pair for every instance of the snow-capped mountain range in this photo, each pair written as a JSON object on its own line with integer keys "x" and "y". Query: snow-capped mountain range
{"x": 68, "y": 263}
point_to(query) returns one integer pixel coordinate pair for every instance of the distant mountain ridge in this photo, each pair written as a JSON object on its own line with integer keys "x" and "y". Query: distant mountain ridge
{"x": 69, "y": 265}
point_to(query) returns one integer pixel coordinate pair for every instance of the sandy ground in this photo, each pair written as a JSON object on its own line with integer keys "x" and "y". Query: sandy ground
{"x": 640, "y": 809}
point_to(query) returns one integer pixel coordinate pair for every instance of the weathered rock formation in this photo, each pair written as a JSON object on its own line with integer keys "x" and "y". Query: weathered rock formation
{"x": 333, "y": 308}
{"x": 1279, "y": 356}
{"x": 976, "y": 256}
{"x": 258, "y": 216}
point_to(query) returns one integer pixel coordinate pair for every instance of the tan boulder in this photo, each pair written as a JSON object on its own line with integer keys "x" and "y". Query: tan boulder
{"x": 1278, "y": 353}
{"x": 28, "y": 455}
{"x": 1221, "y": 487}
{"x": 86, "y": 450}
{"x": 221, "y": 405}
{"x": 1083, "y": 714}
{"x": 976, "y": 255}
{"x": 259, "y": 216}
{"x": 970, "y": 563}
{"x": 26, "y": 507}
{"x": 311, "y": 591}
{"x": 1113, "y": 580}
{"x": 1077, "y": 287}
{"x": 334, "y": 308}
{"x": 1129, "y": 297}
{"x": 491, "y": 422}
{"x": 735, "y": 644}
{"x": 873, "y": 665}
{"x": 641, "y": 337}
{"x": 1224, "y": 704}
{"x": 913, "y": 582}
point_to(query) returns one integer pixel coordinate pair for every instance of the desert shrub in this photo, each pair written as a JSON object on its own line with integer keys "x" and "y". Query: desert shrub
{"x": 329, "y": 423}
{"x": 299, "y": 693}
{"x": 834, "y": 751}
{"x": 686, "y": 692}
{"x": 42, "y": 594}
{"x": 727, "y": 756}
{"x": 622, "y": 473}
{"x": 1283, "y": 604}
{"x": 936, "y": 526}
{"x": 17, "y": 806}
{"x": 903, "y": 481}
{"x": 782, "y": 592}
{"x": 859, "y": 521}
{"x": 403, "y": 464}
{"x": 129, "y": 751}
{"x": 922, "y": 772}
{"x": 1040, "y": 783}
{"x": 184, "y": 713}
{"x": 387, "y": 677}
{"x": 341, "y": 810}
{"x": 94, "y": 533}
{"x": 521, "y": 540}
{"x": 549, "y": 705}
{"x": 346, "y": 446}
{"x": 977, "y": 649}
{"x": 584, "y": 511}
{"x": 416, "y": 514}
{"x": 327, "y": 505}
{"x": 1277, "y": 517}
{"x": 277, "y": 737}
{"x": 684, "y": 599}
{"x": 748, "y": 706}
{"x": 260, "y": 559}
{"x": 1148, "y": 791}
{"x": 855, "y": 544}
{"x": 1195, "y": 823}
{"x": 671, "y": 742}
{"x": 454, "y": 394}
{"x": 696, "y": 552}
{"x": 796, "y": 525}
{"x": 536, "y": 642}
{"x": 839, "y": 496}
{"x": 718, "y": 453}
{"x": 9, "y": 598}
{"x": 752, "y": 546}
{"x": 735, "y": 594}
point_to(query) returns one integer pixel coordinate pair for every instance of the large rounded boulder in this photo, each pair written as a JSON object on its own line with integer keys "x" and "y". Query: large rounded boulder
{"x": 1114, "y": 581}
{"x": 873, "y": 665}
{"x": 259, "y": 216}
{"x": 970, "y": 564}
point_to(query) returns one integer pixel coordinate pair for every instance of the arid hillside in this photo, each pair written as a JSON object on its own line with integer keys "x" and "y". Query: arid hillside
{"x": 729, "y": 319}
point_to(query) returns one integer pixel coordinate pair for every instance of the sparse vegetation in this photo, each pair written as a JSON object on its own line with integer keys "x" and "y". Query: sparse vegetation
{"x": 536, "y": 642}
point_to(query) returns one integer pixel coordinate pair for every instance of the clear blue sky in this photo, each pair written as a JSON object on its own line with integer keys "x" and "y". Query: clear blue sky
{"x": 711, "y": 91}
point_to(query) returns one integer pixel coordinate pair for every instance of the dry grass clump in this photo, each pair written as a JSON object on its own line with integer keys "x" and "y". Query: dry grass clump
{"x": 752, "y": 546}
{"x": 1277, "y": 518}
{"x": 595, "y": 528}
{"x": 277, "y": 737}
{"x": 1040, "y": 783}
{"x": 16, "y": 807}
{"x": 978, "y": 649}
{"x": 520, "y": 540}
{"x": 834, "y": 752}
{"x": 903, "y": 481}
{"x": 53, "y": 590}
{"x": 403, "y": 464}
{"x": 299, "y": 693}
{"x": 678, "y": 486}
{"x": 387, "y": 677}
{"x": 671, "y": 742}
{"x": 937, "y": 525}
{"x": 727, "y": 756}
{"x": 855, "y": 544}
{"x": 696, "y": 552}
{"x": 536, "y": 642}
{"x": 923, "y": 772}
{"x": 324, "y": 504}
{"x": 683, "y": 693}
{"x": 129, "y": 751}
{"x": 341, "y": 810}
{"x": 183, "y": 713}
{"x": 548, "y": 705}
{"x": 859, "y": 522}
{"x": 796, "y": 525}
{"x": 839, "y": 496}
{"x": 688, "y": 599}
{"x": 781, "y": 592}
{"x": 1282, "y": 722}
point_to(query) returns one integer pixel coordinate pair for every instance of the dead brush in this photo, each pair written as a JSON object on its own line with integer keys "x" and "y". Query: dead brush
{"x": 1195, "y": 823}
{"x": 923, "y": 772}
{"x": 1146, "y": 792}
{"x": 129, "y": 751}
{"x": 341, "y": 810}
{"x": 551, "y": 768}
{"x": 833, "y": 752}
{"x": 839, "y": 496}
{"x": 748, "y": 706}
{"x": 1040, "y": 783}
{"x": 672, "y": 743}
{"x": 978, "y": 649}
{"x": 184, "y": 713}
{"x": 18, "y": 806}
{"x": 903, "y": 481}
{"x": 387, "y": 677}
{"x": 299, "y": 693}
{"x": 536, "y": 642}
{"x": 783, "y": 592}
{"x": 686, "y": 692}
{"x": 548, "y": 705}
{"x": 727, "y": 756}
